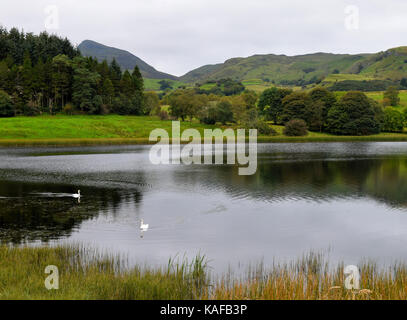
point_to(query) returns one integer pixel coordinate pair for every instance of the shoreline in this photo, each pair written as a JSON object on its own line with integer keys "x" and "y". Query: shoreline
{"x": 73, "y": 142}
{"x": 86, "y": 273}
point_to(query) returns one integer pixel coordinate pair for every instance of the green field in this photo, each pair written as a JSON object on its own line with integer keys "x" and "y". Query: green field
{"x": 114, "y": 129}
{"x": 153, "y": 84}
{"x": 343, "y": 76}
{"x": 257, "y": 85}
{"x": 378, "y": 96}
{"x": 207, "y": 86}
{"x": 85, "y": 127}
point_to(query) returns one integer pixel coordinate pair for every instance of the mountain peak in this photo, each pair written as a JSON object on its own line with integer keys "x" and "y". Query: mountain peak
{"x": 125, "y": 59}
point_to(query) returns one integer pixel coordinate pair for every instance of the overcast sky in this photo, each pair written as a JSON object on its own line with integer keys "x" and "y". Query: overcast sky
{"x": 176, "y": 36}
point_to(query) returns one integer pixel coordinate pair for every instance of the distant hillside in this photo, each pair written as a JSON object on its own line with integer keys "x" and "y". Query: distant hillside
{"x": 387, "y": 65}
{"x": 124, "y": 58}
{"x": 279, "y": 69}
{"x": 310, "y": 69}
{"x": 201, "y": 73}
{"x": 307, "y": 69}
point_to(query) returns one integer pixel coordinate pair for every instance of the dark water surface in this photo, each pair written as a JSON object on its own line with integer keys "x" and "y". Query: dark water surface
{"x": 349, "y": 197}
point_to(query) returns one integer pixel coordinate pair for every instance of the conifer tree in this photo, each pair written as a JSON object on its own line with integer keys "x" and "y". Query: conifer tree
{"x": 138, "y": 81}
{"x": 115, "y": 75}
{"x": 61, "y": 78}
{"x": 107, "y": 91}
{"x": 27, "y": 80}
{"x": 126, "y": 85}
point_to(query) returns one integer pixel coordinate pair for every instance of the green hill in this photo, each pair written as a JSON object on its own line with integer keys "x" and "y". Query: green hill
{"x": 390, "y": 65}
{"x": 124, "y": 58}
{"x": 279, "y": 69}
{"x": 339, "y": 70}
{"x": 201, "y": 73}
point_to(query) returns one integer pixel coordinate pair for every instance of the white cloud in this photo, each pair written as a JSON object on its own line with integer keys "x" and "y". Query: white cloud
{"x": 176, "y": 36}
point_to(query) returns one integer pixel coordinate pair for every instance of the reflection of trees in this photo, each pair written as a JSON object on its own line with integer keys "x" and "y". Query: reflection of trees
{"x": 389, "y": 182}
{"x": 319, "y": 180}
{"x": 28, "y": 216}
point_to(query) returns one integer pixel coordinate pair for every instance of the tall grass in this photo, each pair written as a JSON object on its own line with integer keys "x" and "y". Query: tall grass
{"x": 86, "y": 273}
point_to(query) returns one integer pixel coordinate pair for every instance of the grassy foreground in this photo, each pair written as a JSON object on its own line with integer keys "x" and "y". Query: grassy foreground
{"x": 87, "y": 274}
{"x": 113, "y": 129}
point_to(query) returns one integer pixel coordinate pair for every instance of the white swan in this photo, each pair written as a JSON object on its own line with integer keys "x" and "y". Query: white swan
{"x": 143, "y": 227}
{"x": 77, "y": 195}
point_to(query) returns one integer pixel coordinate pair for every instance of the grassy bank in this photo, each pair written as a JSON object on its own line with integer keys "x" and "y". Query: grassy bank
{"x": 87, "y": 274}
{"x": 83, "y": 130}
{"x": 85, "y": 127}
{"x": 112, "y": 129}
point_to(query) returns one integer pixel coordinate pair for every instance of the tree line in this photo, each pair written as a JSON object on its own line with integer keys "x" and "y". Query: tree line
{"x": 352, "y": 114}
{"x": 47, "y": 74}
{"x": 318, "y": 110}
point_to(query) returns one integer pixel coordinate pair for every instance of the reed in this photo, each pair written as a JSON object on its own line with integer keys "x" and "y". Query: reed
{"x": 86, "y": 273}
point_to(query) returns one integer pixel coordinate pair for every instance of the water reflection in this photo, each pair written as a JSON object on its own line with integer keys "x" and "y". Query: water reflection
{"x": 30, "y": 212}
{"x": 303, "y": 196}
{"x": 383, "y": 179}
{"x": 320, "y": 180}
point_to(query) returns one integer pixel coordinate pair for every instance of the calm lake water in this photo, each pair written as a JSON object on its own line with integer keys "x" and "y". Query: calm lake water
{"x": 349, "y": 198}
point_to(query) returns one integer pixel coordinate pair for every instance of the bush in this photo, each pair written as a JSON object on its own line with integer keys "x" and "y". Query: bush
{"x": 6, "y": 105}
{"x": 393, "y": 120}
{"x": 31, "y": 109}
{"x": 151, "y": 103}
{"x": 391, "y": 96}
{"x": 216, "y": 112}
{"x": 378, "y": 113}
{"x": 68, "y": 109}
{"x": 104, "y": 109}
{"x": 224, "y": 112}
{"x": 295, "y": 128}
{"x": 163, "y": 115}
{"x": 208, "y": 115}
{"x": 262, "y": 127}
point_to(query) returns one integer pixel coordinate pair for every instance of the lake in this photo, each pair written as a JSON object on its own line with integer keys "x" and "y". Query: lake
{"x": 347, "y": 199}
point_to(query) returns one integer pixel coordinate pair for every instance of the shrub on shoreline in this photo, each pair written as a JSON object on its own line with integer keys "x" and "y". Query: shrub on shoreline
{"x": 295, "y": 128}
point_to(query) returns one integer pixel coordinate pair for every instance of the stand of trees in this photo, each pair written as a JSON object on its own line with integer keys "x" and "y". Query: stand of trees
{"x": 47, "y": 74}
{"x": 353, "y": 114}
{"x": 317, "y": 110}
{"x": 210, "y": 108}
{"x": 227, "y": 87}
